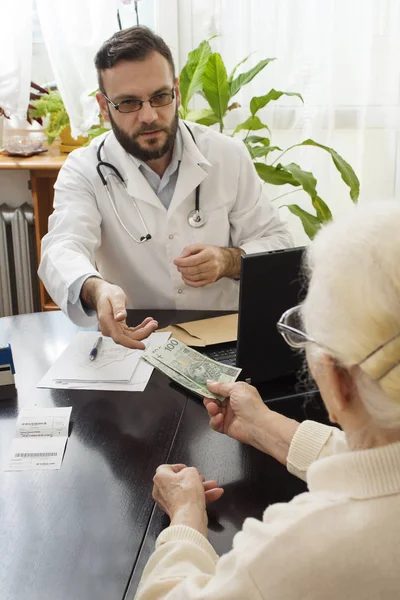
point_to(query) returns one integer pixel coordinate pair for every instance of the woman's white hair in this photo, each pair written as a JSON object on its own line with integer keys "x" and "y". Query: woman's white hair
{"x": 353, "y": 301}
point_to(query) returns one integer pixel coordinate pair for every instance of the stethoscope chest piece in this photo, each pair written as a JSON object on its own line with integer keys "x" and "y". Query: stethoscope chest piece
{"x": 196, "y": 218}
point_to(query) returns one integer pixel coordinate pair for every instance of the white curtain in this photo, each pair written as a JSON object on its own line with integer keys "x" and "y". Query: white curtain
{"x": 343, "y": 56}
{"x": 73, "y": 31}
{"x": 15, "y": 56}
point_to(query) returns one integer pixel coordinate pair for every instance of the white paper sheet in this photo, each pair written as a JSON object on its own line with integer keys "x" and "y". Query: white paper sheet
{"x": 139, "y": 376}
{"x": 113, "y": 362}
{"x": 40, "y": 439}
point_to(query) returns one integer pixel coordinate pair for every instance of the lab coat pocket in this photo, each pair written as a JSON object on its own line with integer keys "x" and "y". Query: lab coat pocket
{"x": 216, "y": 229}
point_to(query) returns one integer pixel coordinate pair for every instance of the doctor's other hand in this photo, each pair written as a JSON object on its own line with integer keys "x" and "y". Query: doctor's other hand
{"x": 183, "y": 493}
{"x": 202, "y": 264}
{"x": 109, "y": 301}
{"x": 244, "y": 417}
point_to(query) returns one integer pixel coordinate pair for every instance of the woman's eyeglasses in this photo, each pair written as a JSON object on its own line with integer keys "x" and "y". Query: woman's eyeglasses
{"x": 290, "y": 327}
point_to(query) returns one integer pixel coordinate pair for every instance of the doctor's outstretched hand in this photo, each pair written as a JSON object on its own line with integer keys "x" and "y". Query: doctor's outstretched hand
{"x": 109, "y": 301}
{"x": 202, "y": 264}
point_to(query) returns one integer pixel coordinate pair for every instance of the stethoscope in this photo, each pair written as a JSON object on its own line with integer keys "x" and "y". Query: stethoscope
{"x": 195, "y": 217}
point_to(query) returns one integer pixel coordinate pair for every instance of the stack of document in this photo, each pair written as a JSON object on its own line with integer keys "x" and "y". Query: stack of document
{"x": 115, "y": 367}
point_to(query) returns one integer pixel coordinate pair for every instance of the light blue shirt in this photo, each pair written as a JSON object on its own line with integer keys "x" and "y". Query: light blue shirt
{"x": 164, "y": 186}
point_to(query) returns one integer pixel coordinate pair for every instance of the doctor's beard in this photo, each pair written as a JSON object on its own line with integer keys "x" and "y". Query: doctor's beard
{"x": 131, "y": 145}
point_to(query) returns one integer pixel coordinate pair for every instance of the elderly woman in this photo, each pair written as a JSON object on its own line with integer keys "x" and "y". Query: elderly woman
{"x": 341, "y": 539}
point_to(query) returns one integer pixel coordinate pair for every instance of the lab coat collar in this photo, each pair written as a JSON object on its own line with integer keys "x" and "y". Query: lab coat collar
{"x": 191, "y": 148}
{"x": 191, "y": 171}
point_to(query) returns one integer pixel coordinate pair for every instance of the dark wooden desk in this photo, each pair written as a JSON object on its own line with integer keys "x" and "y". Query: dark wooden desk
{"x": 86, "y": 530}
{"x": 75, "y": 533}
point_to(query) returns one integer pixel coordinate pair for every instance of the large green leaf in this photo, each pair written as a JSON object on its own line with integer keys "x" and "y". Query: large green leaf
{"x": 232, "y": 75}
{"x": 260, "y": 101}
{"x": 309, "y": 185}
{"x": 251, "y": 124}
{"x": 257, "y": 139}
{"x": 244, "y": 78}
{"x": 305, "y": 179}
{"x": 216, "y": 86}
{"x": 260, "y": 151}
{"x": 345, "y": 170}
{"x": 191, "y": 77}
{"x": 310, "y": 222}
{"x": 322, "y": 209}
{"x": 205, "y": 116}
{"x": 275, "y": 175}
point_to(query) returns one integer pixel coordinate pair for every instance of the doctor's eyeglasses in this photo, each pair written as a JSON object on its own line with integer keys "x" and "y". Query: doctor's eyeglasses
{"x": 132, "y": 105}
{"x": 290, "y": 328}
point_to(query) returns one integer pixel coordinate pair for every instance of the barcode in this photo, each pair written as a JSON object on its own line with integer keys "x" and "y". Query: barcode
{"x": 34, "y": 454}
{"x": 44, "y": 423}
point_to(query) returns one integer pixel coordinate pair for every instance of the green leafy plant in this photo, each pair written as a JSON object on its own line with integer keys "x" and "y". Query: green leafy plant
{"x": 205, "y": 74}
{"x": 51, "y": 104}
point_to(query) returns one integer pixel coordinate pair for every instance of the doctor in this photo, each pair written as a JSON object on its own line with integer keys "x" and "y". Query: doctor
{"x": 156, "y": 213}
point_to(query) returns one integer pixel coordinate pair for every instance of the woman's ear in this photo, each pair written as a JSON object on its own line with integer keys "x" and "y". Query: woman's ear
{"x": 335, "y": 384}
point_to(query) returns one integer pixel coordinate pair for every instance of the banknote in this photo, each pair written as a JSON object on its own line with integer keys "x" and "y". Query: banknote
{"x": 195, "y": 367}
{"x": 181, "y": 379}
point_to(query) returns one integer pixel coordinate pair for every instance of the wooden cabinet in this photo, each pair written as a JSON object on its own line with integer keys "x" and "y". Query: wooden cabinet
{"x": 43, "y": 170}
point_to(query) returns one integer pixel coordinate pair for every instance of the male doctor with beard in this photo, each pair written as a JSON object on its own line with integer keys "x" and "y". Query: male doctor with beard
{"x": 156, "y": 213}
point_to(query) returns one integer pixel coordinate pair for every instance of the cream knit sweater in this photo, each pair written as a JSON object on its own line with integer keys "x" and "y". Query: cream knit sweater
{"x": 340, "y": 540}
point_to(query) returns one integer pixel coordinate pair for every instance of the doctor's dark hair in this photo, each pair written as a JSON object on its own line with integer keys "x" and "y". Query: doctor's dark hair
{"x": 135, "y": 44}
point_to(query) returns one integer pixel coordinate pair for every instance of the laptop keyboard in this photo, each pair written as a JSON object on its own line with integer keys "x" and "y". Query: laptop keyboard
{"x": 223, "y": 355}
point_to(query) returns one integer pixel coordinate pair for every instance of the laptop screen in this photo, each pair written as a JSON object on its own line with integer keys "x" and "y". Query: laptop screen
{"x": 270, "y": 283}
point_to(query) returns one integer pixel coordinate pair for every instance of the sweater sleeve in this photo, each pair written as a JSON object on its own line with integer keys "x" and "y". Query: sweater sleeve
{"x": 311, "y": 442}
{"x": 184, "y": 566}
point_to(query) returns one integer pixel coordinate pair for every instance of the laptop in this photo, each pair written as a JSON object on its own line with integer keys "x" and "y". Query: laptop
{"x": 270, "y": 283}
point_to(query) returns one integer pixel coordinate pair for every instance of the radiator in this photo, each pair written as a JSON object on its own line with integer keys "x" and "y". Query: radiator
{"x": 19, "y": 286}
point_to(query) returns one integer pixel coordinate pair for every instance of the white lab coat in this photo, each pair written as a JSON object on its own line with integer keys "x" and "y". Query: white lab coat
{"x": 84, "y": 232}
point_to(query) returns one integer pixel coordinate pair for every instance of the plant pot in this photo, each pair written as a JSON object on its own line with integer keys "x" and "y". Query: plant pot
{"x": 68, "y": 143}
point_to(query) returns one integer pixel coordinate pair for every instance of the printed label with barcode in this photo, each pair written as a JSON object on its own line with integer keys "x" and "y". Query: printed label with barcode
{"x": 40, "y": 439}
{"x": 34, "y": 454}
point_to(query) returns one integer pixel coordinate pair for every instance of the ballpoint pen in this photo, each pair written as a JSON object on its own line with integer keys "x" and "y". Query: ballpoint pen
{"x": 94, "y": 351}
